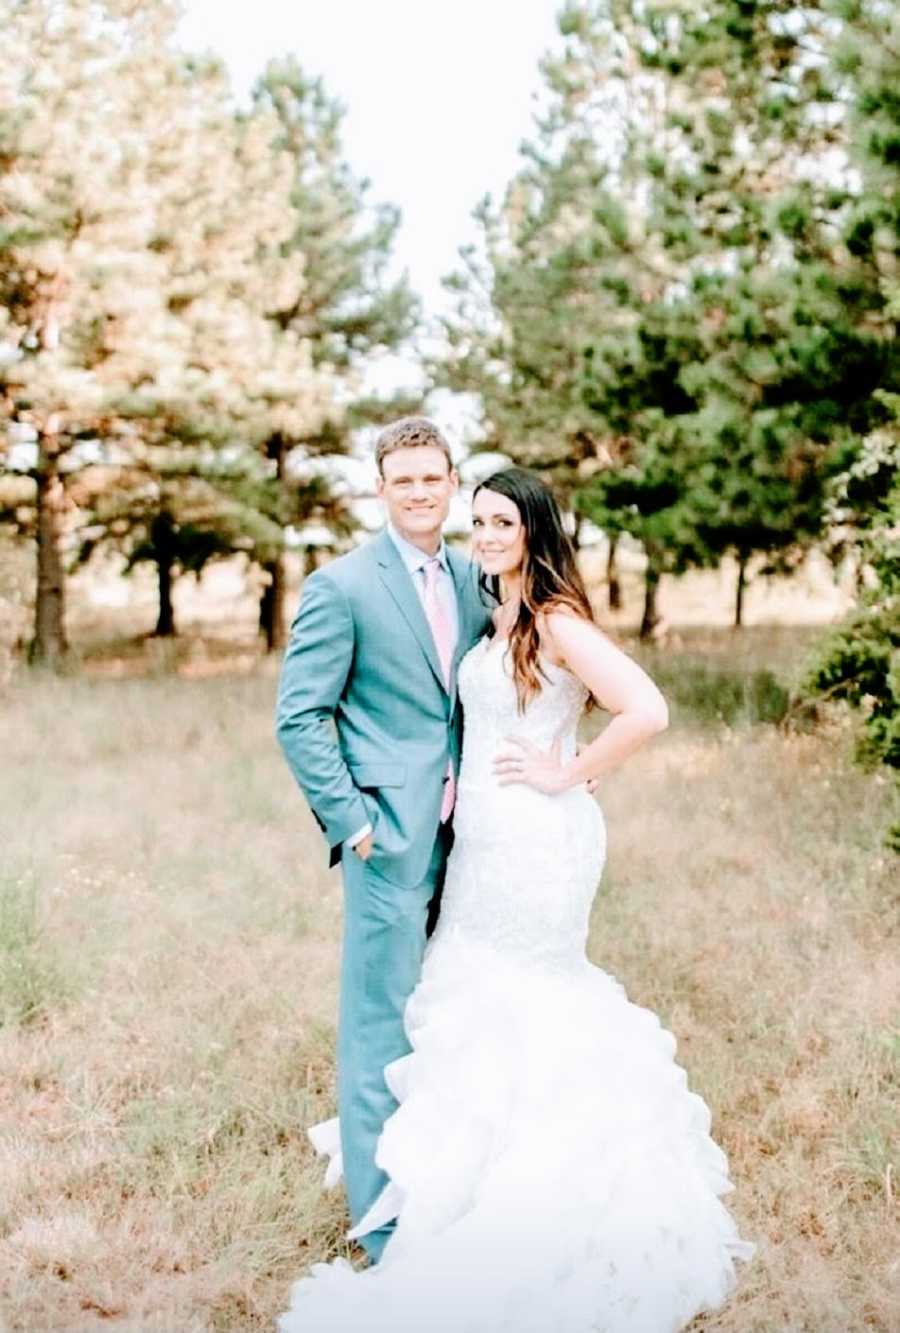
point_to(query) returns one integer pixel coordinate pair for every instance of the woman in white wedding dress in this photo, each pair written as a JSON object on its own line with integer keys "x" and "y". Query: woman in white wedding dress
{"x": 549, "y": 1169}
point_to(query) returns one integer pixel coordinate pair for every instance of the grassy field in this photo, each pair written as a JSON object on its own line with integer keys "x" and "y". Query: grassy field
{"x": 168, "y": 979}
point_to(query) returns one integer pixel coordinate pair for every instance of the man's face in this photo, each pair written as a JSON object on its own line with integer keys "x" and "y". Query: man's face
{"x": 416, "y": 487}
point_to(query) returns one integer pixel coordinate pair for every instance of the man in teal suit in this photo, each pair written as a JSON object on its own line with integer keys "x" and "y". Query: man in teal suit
{"x": 369, "y": 721}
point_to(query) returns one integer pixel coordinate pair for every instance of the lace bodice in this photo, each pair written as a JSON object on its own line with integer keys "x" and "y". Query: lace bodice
{"x": 491, "y": 709}
{"x": 525, "y": 865}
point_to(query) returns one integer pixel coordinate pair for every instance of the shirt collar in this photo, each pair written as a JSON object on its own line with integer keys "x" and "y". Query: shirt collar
{"x": 412, "y": 557}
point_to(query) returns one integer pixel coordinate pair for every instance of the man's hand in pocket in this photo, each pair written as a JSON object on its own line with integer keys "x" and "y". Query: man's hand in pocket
{"x": 363, "y": 848}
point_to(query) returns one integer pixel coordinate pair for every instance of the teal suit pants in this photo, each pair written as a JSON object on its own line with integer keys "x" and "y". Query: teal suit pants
{"x": 385, "y": 931}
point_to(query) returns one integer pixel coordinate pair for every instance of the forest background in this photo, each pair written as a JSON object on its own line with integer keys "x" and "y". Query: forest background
{"x": 681, "y": 310}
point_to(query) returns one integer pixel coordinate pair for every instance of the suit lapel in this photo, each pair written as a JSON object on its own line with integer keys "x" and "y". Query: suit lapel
{"x": 396, "y": 578}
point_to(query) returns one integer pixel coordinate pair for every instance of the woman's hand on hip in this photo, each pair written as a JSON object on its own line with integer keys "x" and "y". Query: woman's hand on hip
{"x": 521, "y": 761}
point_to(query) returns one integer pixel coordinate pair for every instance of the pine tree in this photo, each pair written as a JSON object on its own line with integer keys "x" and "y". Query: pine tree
{"x": 51, "y": 212}
{"x": 860, "y": 663}
{"x": 207, "y": 481}
{"x": 131, "y": 273}
{"x": 346, "y": 311}
{"x": 667, "y": 280}
{"x": 795, "y": 339}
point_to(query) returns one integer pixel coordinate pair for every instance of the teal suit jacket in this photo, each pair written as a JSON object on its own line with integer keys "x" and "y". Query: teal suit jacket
{"x": 364, "y": 718}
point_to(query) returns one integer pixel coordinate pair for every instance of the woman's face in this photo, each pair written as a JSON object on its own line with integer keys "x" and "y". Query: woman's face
{"x": 498, "y": 533}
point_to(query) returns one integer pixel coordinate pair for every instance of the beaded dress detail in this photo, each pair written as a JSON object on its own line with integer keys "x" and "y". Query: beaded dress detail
{"x": 550, "y": 1170}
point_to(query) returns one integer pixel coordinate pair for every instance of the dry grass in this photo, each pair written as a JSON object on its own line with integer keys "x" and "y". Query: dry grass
{"x": 760, "y": 921}
{"x": 168, "y": 957}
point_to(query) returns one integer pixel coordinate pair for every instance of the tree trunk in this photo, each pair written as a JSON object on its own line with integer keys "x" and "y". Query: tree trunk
{"x": 650, "y": 618}
{"x": 859, "y": 574}
{"x": 741, "y": 588}
{"x": 48, "y": 647}
{"x": 271, "y": 606}
{"x": 614, "y": 587}
{"x": 162, "y": 537}
{"x": 271, "y": 603}
{"x": 266, "y": 604}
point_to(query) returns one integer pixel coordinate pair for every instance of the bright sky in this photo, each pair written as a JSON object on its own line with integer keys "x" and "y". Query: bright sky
{"x": 439, "y": 95}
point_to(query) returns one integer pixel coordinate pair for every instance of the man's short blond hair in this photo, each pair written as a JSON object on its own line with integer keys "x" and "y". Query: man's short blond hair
{"x": 410, "y": 433}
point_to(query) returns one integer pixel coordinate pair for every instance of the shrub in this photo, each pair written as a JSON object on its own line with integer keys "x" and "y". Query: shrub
{"x": 860, "y": 663}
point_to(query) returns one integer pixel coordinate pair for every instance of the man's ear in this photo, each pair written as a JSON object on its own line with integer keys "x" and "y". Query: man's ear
{"x": 454, "y": 480}
{"x": 379, "y": 485}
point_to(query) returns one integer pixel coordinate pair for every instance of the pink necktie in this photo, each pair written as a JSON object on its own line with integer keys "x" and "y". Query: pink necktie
{"x": 442, "y": 634}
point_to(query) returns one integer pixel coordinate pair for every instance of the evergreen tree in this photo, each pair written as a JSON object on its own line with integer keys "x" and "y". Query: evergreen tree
{"x": 667, "y": 280}
{"x": 860, "y": 663}
{"x": 346, "y": 311}
{"x": 49, "y": 210}
{"x": 796, "y": 337}
{"x": 143, "y": 243}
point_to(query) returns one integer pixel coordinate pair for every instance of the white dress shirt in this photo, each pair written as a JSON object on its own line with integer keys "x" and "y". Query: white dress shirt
{"x": 415, "y": 561}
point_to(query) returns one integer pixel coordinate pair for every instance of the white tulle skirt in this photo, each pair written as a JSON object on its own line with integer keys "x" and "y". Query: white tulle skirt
{"x": 549, "y": 1168}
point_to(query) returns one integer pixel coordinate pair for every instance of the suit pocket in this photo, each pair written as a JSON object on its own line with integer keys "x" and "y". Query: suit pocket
{"x": 374, "y": 776}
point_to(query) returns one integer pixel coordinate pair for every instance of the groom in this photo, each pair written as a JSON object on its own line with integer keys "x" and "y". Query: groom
{"x": 369, "y": 722}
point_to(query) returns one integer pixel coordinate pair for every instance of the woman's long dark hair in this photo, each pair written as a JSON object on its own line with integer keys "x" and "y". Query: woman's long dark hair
{"x": 550, "y": 577}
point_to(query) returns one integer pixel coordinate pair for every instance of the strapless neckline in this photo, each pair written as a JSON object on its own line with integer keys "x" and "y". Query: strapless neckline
{"x": 490, "y": 639}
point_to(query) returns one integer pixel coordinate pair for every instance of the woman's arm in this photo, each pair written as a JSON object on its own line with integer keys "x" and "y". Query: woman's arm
{"x": 617, "y": 683}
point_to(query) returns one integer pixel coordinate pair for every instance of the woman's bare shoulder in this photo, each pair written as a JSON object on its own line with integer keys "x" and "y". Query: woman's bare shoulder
{"x": 558, "y": 628}
{"x": 562, "y": 626}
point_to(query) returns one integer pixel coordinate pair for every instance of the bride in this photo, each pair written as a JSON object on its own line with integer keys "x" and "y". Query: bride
{"x": 549, "y": 1169}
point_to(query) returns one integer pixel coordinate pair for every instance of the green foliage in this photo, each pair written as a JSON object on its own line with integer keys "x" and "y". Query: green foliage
{"x": 678, "y": 313}
{"x": 860, "y": 663}
{"x": 345, "y": 308}
{"x": 183, "y": 325}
